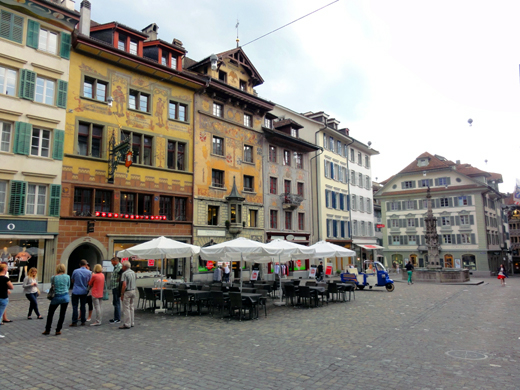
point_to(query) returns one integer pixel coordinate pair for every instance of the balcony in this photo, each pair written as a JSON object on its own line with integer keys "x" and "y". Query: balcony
{"x": 291, "y": 201}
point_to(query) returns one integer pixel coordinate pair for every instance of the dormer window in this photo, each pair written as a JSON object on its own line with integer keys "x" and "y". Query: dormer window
{"x": 133, "y": 47}
{"x": 423, "y": 162}
{"x": 174, "y": 62}
{"x": 222, "y": 76}
{"x": 243, "y": 85}
{"x": 164, "y": 59}
{"x": 121, "y": 44}
{"x": 294, "y": 133}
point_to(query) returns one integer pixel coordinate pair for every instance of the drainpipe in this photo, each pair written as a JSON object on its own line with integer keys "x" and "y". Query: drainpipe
{"x": 318, "y": 176}
{"x": 349, "y": 197}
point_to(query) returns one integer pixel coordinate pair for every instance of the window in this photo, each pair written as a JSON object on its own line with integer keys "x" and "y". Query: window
{"x": 243, "y": 85}
{"x": 395, "y": 206}
{"x": 465, "y": 238}
{"x": 252, "y": 218}
{"x": 273, "y": 185}
{"x": 345, "y": 150}
{"x": 83, "y": 202}
{"x": 141, "y": 147}
{"x": 235, "y": 213}
{"x": 355, "y": 228}
{"x": 295, "y": 133}
{"x": 5, "y": 140}
{"x": 360, "y": 180}
{"x": 301, "y": 221}
{"x": 95, "y": 89}
{"x": 424, "y": 183}
{"x": 139, "y": 101}
{"x": 444, "y": 202}
{"x": 103, "y": 201}
{"x": 354, "y": 202}
{"x": 367, "y": 182}
{"x": 299, "y": 160}
{"x": 177, "y": 111}
{"x": 218, "y": 109}
{"x": 410, "y": 222}
{"x": 248, "y": 153}
{"x": 445, "y": 221}
{"x": 166, "y": 207}
{"x": 90, "y": 139}
{"x": 367, "y": 162}
{"x": 352, "y": 154}
{"x": 331, "y": 144}
{"x": 412, "y": 240}
{"x": 369, "y": 206}
{"x": 442, "y": 181}
{"x": 272, "y": 153}
{"x": 288, "y": 220}
{"x": 7, "y": 81}
{"x": 446, "y": 238}
{"x": 339, "y": 149}
{"x": 217, "y": 178}
{"x": 273, "y": 219}
{"x": 394, "y": 223}
{"x": 369, "y": 229}
{"x": 174, "y": 62}
{"x": 286, "y": 157}
{"x": 222, "y": 76}
{"x": 464, "y": 201}
{"x": 121, "y": 43}
{"x": 361, "y": 204}
{"x": 36, "y": 199}
{"x": 300, "y": 189}
{"x": 362, "y": 229}
{"x": 353, "y": 178}
{"x": 287, "y": 186}
{"x": 396, "y": 240}
{"x": 40, "y": 142}
{"x": 409, "y": 205}
{"x": 408, "y": 184}
{"x": 11, "y": 26}
{"x": 164, "y": 59}
{"x": 359, "y": 158}
{"x": 133, "y": 47}
{"x": 213, "y": 215}
{"x": 325, "y": 141}
{"x": 268, "y": 123}
{"x": 48, "y": 41}
{"x": 464, "y": 219}
{"x": 180, "y": 209}
{"x": 176, "y": 155}
{"x": 45, "y": 89}
{"x": 248, "y": 120}
{"x": 218, "y": 146}
{"x": 249, "y": 183}
{"x": 3, "y": 196}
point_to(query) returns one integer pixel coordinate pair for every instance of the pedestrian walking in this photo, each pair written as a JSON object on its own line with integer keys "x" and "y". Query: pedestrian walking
{"x": 61, "y": 283}
{"x": 88, "y": 302}
{"x": 226, "y": 273}
{"x": 97, "y": 284}
{"x": 115, "y": 280}
{"x": 127, "y": 295}
{"x": 502, "y": 275}
{"x": 5, "y": 287}
{"x": 30, "y": 288}
{"x": 319, "y": 272}
{"x": 4, "y": 319}
{"x": 409, "y": 269}
{"x": 80, "y": 278}
{"x": 397, "y": 267}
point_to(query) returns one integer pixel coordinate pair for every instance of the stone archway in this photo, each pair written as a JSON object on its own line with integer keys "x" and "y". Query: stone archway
{"x": 86, "y": 248}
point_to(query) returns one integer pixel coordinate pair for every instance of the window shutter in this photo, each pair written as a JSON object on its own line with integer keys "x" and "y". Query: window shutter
{"x": 390, "y": 242}
{"x": 436, "y": 182}
{"x": 333, "y": 199}
{"x": 452, "y": 221}
{"x": 457, "y": 220}
{"x": 473, "y": 240}
{"x": 387, "y": 206}
{"x": 328, "y": 228}
{"x": 57, "y": 149}
{"x": 402, "y": 223}
{"x": 415, "y": 205}
{"x": 33, "y": 33}
{"x": 437, "y": 203}
{"x": 456, "y": 202}
{"x": 448, "y": 180}
{"x": 453, "y": 239}
{"x": 27, "y": 84}
{"x": 62, "y": 94}
{"x": 387, "y": 223}
{"x": 11, "y": 26}
{"x": 54, "y": 209}
{"x": 420, "y": 204}
{"x": 423, "y": 240}
{"x": 469, "y": 200}
{"x": 471, "y": 220}
{"x": 65, "y": 45}
{"x": 326, "y": 198}
{"x": 22, "y": 138}
{"x": 422, "y": 222}
{"x": 17, "y": 201}
{"x": 431, "y": 182}
{"x": 401, "y": 241}
{"x": 413, "y": 184}
{"x": 459, "y": 240}
{"x": 341, "y": 203}
{"x": 347, "y": 197}
{"x": 399, "y": 206}
{"x": 402, "y": 185}
{"x": 450, "y": 202}
{"x": 416, "y": 222}
{"x": 405, "y": 240}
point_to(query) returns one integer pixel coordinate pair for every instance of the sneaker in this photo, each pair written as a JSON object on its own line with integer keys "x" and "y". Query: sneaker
{"x": 95, "y": 323}
{"x": 88, "y": 319}
{"x": 114, "y": 321}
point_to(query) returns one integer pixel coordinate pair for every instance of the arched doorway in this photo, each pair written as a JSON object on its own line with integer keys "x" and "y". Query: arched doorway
{"x": 448, "y": 261}
{"x": 413, "y": 259}
{"x": 84, "y": 251}
{"x": 398, "y": 259}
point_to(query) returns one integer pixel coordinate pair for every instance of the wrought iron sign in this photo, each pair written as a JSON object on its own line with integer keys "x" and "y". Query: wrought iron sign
{"x": 118, "y": 153}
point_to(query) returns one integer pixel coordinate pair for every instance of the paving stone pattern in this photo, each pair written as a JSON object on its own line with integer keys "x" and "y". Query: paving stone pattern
{"x": 422, "y": 336}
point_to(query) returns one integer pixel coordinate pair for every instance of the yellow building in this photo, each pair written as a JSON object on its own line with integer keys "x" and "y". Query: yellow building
{"x": 34, "y": 71}
{"x": 126, "y": 84}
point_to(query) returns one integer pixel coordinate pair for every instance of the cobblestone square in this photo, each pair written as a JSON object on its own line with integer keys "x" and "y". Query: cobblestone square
{"x": 418, "y": 337}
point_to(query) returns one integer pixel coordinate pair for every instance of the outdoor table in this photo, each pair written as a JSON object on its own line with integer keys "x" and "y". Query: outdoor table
{"x": 319, "y": 290}
{"x": 254, "y": 297}
{"x": 350, "y": 287}
{"x": 199, "y": 296}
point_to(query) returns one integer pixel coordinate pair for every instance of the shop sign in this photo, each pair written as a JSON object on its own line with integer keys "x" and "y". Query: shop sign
{"x": 210, "y": 265}
{"x": 299, "y": 263}
{"x": 312, "y": 272}
{"x": 254, "y": 275}
{"x": 328, "y": 270}
{"x": 22, "y": 226}
{"x": 380, "y": 225}
{"x": 151, "y": 262}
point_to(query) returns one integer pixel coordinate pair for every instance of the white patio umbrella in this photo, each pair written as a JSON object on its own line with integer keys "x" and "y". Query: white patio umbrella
{"x": 328, "y": 249}
{"x": 239, "y": 249}
{"x": 160, "y": 248}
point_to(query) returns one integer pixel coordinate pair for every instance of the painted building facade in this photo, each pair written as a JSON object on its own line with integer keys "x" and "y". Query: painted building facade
{"x": 128, "y": 85}
{"x": 35, "y": 41}
{"x": 465, "y": 201}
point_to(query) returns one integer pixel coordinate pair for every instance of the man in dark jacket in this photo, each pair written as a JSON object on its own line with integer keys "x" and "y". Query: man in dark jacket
{"x": 409, "y": 268}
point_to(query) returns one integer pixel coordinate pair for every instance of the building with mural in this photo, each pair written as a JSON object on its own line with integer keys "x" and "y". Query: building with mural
{"x": 129, "y": 101}
{"x": 35, "y": 41}
{"x": 228, "y": 198}
{"x": 468, "y": 207}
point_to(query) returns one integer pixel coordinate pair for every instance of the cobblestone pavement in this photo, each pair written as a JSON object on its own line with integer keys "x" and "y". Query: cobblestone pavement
{"x": 414, "y": 338}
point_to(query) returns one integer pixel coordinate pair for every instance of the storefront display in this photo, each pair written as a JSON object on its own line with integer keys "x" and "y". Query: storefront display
{"x": 22, "y": 255}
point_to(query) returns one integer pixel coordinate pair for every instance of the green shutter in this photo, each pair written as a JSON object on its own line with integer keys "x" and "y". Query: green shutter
{"x": 421, "y": 221}
{"x": 448, "y": 180}
{"x": 27, "y": 84}
{"x": 57, "y": 150}
{"x": 17, "y": 201}
{"x": 54, "y": 209}
{"x": 457, "y": 220}
{"x": 62, "y": 94}
{"x": 436, "y": 182}
{"x": 22, "y": 138}
{"x": 473, "y": 240}
{"x": 11, "y": 26}
{"x": 458, "y": 239}
{"x": 471, "y": 220}
{"x": 453, "y": 238}
{"x": 33, "y": 33}
{"x": 469, "y": 200}
{"x": 450, "y": 202}
{"x": 65, "y": 45}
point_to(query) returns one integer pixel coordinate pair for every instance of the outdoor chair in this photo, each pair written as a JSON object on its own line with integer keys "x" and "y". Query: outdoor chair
{"x": 150, "y": 298}
{"x": 263, "y": 300}
{"x": 306, "y": 296}
{"x": 169, "y": 299}
{"x": 141, "y": 297}
{"x": 235, "y": 303}
{"x": 218, "y": 302}
{"x": 234, "y": 289}
{"x": 184, "y": 299}
{"x": 290, "y": 292}
{"x": 333, "y": 289}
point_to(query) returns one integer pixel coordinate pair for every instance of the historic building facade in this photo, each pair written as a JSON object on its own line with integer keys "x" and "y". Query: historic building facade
{"x": 466, "y": 202}
{"x": 228, "y": 197}
{"x": 35, "y": 41}
{"x": 128, "y": 101}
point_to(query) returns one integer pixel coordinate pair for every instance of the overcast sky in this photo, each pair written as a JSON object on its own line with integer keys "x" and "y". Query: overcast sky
{"x": 404, "y": 74}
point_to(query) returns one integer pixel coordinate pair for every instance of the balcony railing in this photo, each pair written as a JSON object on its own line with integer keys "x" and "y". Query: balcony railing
{"x": 291, "y": 201}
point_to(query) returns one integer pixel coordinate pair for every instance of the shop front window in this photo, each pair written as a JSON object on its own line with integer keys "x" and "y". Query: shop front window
{"x": 22, "y": 255}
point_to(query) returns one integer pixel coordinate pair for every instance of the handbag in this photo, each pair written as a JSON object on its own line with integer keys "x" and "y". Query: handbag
{"x": 105, "y": 295}
{"x": 51, "y": 294}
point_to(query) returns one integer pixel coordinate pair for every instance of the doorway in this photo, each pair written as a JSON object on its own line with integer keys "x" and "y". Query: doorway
{"x": 413, "y": 260}
{"x": 448, "y": 261}
{"x": 84, "y": 251}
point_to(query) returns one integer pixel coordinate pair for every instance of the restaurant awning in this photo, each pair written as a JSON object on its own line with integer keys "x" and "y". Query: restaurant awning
{"x": 369, "y": 246}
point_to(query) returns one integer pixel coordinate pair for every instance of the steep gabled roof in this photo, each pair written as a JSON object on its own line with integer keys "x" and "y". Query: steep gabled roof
{"x": 469, "y": 170}
{"x": 434, "y": 163}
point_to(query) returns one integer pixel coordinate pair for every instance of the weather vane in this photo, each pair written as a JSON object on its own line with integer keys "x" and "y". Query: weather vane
{"x": 237, "y": 31}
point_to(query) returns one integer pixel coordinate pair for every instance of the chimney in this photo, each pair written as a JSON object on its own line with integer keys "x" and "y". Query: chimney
{"x": 84, "y": 18}
{"x": 152, "y": 31}
{"x": 457, "y": 162}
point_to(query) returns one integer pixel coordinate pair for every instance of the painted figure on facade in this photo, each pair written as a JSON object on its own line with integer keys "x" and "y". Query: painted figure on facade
{"x": 119, "y": 99}
{"x": 159, "y": 110}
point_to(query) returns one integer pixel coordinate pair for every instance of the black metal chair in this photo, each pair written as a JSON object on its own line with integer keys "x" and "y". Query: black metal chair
{"x": 333, "y": 289}
{"x": 142, "y": 297}
{"x": 305, "y": 297}
{"x": 290, "y": 292}
{"x": 184, "y": 299}
{"x": 150, "y": 297}
{"x": 218, "y": 302}
{"x": 169, "y": 299}
{"x": 263, "y": 300}
{"x": 235, "y": 303}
